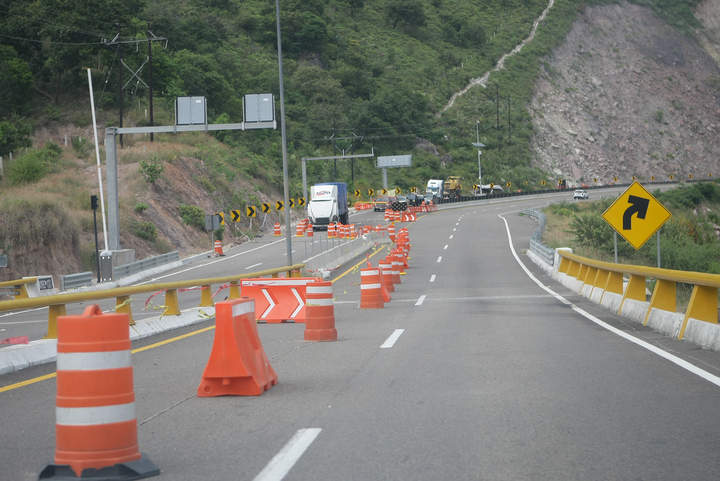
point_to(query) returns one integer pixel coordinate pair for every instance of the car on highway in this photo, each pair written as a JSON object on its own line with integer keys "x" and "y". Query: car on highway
{"x": 580, "y": 194}
{"x": 414, "y": 199}
{"x": 381, "y": 203}
{"x": 399, "y": 203}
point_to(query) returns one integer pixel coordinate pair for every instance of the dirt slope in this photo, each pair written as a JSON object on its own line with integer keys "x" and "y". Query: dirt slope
{"x": 626, "y": 94}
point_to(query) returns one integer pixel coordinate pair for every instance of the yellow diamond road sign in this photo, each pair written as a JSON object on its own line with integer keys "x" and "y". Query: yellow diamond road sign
{"x": 636, "y": 215}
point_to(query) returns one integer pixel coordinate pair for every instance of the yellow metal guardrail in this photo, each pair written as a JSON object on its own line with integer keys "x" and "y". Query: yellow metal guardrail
{"x": 56, "y": 304}
{"x": 608, "y": 277}
{"x": 20, "y": 286}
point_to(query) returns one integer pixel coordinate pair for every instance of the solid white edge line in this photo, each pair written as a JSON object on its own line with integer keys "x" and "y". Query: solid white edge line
{"x": 420, "y": 300}
{"x": 432, "y": 278}
{"x": 254, "y": 265}
{"x": 283, "y": 461}
{"x": 645, "y": 345}
{"x": 390, "y": 341}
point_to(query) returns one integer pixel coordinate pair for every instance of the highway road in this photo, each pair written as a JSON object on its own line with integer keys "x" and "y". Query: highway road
{"x": 473, "y": 372}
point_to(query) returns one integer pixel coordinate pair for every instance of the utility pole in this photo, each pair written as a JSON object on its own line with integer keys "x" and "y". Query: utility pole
{"x": 150, "y": 81}
{"x": 497, "y": 107}
{"x": 286, "y": 184}
{"x": 508, "y": 117}
{"x": 120, "y": 88}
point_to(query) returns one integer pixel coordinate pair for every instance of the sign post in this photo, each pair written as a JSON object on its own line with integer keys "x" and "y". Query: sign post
{"x": 636, "y": 215}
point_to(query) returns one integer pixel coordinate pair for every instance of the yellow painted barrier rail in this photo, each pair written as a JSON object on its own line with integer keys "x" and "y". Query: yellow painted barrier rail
{"x": 56, "y": 304}
{"x": 19, "y": 285}
{"x": 608, "y": 277}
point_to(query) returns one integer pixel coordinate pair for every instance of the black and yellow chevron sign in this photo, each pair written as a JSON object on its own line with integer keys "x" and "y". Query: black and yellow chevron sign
{"x": 543, "y": 182}
{"x": 221, "y": 216}
{"x": 652, "y": 178}
{"x": 279, "y": 205}
{"x": 251, "y": 211}
{"x": 507, "y": 184}
{"x": 492, "y": 185}
{"x": 595, "y": 179}
{"x": 615, "y": 178}
{"x": 357, "y": 192}
{"x": 476, "y": 186}
{"x": 265, "y": 207}
{"x": 413, "y": 189}
{"x": 301, "y": 201}
{"x": 384, "y": 191}
{"x": 398, "y": 190}
{"x": 235, "y": 215}
{"x": 291, "y": 202}
{"x": 371, "y": 192}
{"x": 672, "y": 177}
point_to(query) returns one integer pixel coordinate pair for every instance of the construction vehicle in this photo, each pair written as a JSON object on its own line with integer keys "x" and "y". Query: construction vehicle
{"x": 453, "y": 187}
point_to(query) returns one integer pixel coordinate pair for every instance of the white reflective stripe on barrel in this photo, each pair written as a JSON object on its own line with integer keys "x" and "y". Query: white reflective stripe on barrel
{"x": 370, "y": 286}
{"x": 373, "y": 272}
{"x": 90, "y": 416}
{"x": 319, "y": 290}
{"x": 93, "y": 361}
{"x": 243, "y": 308}
{"x": 320, "y": 302}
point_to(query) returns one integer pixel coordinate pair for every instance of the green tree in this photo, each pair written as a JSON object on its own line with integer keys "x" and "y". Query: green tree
{"x": 410, "y": 12}
{"x": 14, "y": 134}
{"x": 15, "y": 81}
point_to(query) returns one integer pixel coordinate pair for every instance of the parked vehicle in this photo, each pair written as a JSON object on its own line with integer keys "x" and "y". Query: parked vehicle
{"x": 580, "y": 194}
{"x": 328, "y": 203}
{"x": 436, "y": 187}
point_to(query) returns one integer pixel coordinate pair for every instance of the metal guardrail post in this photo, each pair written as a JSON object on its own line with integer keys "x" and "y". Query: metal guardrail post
{"x": 53, "y": 313}
{"x": 122, "y": 304}
{"x": 703, "y": 306}
{"x": 172, "y": 307}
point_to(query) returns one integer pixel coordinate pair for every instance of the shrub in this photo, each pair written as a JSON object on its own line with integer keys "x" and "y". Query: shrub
{"x": 192, "y": 215}
{"x": 151, "y": 169}
{"x": 33, "y": 165}
{"x": 81, "y": 146}
{"x": 140, "y": 207}
{"x": 143, "y": 229}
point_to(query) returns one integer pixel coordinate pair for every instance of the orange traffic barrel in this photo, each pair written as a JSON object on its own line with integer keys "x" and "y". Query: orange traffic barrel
{"x": 386, "y": 275}
{"x": 371, "y": 289}
{"x": 276, "y": 230}
{"x": 300, "y": 229}
{"x": 391, "y": 232}
{"x": 320, "y": 312}
{"x": 218, "y": 248}
{"x": 309, "y": 230}
{"x": 396, "y": 267}
{"x": 331, "y": 230}
{"x": 96, "y": 425}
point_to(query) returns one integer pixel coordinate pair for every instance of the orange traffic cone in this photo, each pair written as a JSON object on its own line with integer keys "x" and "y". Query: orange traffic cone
{"x": 218, "y": 248}
{"x": 238, "y": 365}
{"x": 370, "y": 289}
{"x": 96, "y": 427}
{"x": 276, "y": 230}
{"x": 319, "y": 312}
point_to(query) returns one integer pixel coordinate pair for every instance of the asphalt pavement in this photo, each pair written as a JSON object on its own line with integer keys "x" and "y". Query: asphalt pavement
{"x": 471, "y": 372}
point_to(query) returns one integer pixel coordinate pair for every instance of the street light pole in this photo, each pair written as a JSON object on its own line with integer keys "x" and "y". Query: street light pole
{"x": 283, "y": 134}
{"x": 479, "y": 146}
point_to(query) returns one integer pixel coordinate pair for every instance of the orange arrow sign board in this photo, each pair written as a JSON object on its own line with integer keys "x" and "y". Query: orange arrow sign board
{"x": 277, "y": 300}
{"x": 636, "y": 215}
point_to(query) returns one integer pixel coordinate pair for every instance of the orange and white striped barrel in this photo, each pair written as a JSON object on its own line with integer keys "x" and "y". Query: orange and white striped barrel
{"x": 371, "y": 289}
{"x": 309, "y": 230}
{"x": 353, "y": 233}
{"x": 319, "y": 312}
{"x": 343, "y": 231}
{"x": 300, "y": 229}
{"x": 218, "y": 248}
{"x": 391, "y": 232}
{"x": 276, "y": 230}
{"x": 397, "y": 267}
{"x": 331, "y": 230}
{"x": 386, "y": 275}
{"x": 96, "y": 425}
{"x": 388, "y": 214}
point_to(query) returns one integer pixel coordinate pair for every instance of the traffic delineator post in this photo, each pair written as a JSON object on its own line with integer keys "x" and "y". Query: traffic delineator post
{"x": 371, "y": 296}
{"x": 276, "y": 230}
{"x": 238, "y": 365}
{"x": 96, "y": 425}
{"x": 218, "y": 248}
{"x": 320, "y": 315}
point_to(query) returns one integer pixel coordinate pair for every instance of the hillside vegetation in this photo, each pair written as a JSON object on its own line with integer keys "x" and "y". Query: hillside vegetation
{"x": 359, "y": 74}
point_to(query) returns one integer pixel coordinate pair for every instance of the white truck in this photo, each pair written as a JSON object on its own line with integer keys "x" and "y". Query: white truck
{"x": 435, "y": 187}
{"x": 328, "y": 203}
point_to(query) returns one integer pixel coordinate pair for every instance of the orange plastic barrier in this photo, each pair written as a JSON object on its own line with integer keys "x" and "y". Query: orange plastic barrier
{"x": 277, "y": 300}
{"x": 320, "y": 320}
{"x": 386, "y": 276}
{"x": 370, "y": 289}
{"x": 362, "y": 206}
{"x": 238, "y": 365}
{"x": 96, "y": 427}
{"x": 276, "y": 230}
{"x": 218, "y": 248}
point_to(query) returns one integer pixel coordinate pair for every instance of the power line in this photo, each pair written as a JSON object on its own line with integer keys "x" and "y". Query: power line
{"x": 84, "y": 44}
